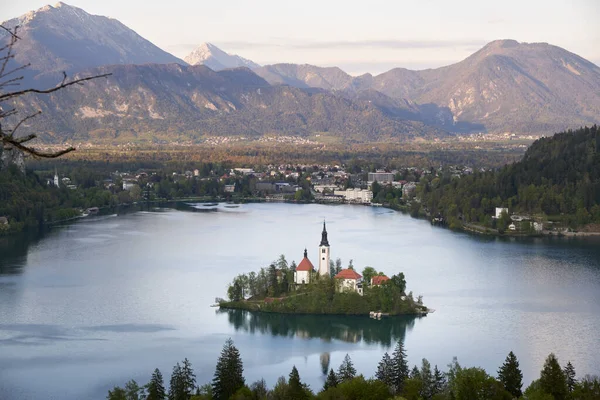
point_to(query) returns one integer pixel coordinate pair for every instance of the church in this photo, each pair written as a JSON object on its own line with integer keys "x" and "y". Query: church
{"x": 305, "y": 268}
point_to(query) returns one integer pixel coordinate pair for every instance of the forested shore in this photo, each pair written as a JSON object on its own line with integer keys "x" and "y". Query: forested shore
{"x": 393, "y": 379}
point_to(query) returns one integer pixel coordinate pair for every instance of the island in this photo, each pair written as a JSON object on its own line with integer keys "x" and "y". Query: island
{"x": 327, "y": 289}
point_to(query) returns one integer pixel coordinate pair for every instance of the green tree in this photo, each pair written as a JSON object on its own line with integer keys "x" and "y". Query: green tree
{"x": 400, "y": 367}
{"x": 188, "y": 378}
{"x": 439, "y": 379}
{"x": 117, "y": 393}
{"x": 385, "y": 370}
{"x": 428, "y": 387}
{"x": 346, "y": 370}
{"x": 399, "y": 281}
{"x": 331, "y": 380}
{"x": 177, "y": 384}
{"x": 511, "y": 376}
{"x": 228, "y": 377}
{"x": 552, "y": 378}
{"x": 156, "y": 387}
{"x": 368, "y": 273}
{"x": 259, "y": 390}
{"x": 133, "y": 391}
{"x": 296, "y": 390}
{"x": 476, "y": 384}
{"x": 280, "y": 390}
{"x": 570, "y": 376}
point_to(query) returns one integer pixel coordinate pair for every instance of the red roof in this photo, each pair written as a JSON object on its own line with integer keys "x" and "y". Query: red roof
{"x": 379, "y": 279}
{"x": 305, "y": 265}
{"x": 348, "y": 274}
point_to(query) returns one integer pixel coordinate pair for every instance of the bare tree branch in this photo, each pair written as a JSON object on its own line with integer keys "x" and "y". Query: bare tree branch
{"x": 7, "y": 137}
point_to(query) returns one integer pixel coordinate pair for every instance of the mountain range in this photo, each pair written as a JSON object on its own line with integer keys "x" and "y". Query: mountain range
{"x": 506, "y": 86}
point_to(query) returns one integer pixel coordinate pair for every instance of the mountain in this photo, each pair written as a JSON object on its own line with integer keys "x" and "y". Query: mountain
{"x": 66, "y": 38}
{"x": 167, "y": 102}
{"x": 506, "y": 86}
{"x": 216, "y": 59}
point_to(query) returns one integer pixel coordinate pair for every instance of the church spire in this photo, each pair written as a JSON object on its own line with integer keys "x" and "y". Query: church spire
{"x": 305, "y": 253}
{"x": 324, "y": 241}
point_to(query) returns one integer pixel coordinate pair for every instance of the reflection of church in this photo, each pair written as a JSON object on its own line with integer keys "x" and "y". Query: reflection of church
{"x": 305, "y": 269}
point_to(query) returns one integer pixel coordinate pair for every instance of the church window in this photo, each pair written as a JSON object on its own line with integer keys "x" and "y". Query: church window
{"x": 323, "y": 251}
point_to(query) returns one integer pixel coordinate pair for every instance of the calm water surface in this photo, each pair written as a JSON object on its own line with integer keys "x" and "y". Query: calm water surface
{"x": 93, "y": 304}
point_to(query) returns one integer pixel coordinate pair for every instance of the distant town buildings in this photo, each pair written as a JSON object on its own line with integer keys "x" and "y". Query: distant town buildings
{"x": 355, "y": 195}
{"x": 380, "y": 176}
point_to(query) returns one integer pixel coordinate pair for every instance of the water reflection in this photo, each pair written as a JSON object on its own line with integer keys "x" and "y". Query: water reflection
{"x": 353, "y": 329}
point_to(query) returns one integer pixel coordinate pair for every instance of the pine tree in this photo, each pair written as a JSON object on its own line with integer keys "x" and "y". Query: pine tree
{"x": 570, "y": 376}
{"x": 346, "y": 372}
{"x": 427, "y": 379}
{"x": 296, "y": 389}
{"x": 331, "y": 381}
{"x": 415, "y": 373}
{"x": 400, "y": 368}
{"x": 552, "y": 378}
{"x": 511, "y": 376}
{"x": 176, "y": 385}
{"x": 117, "y": 393}
{"x": 188, "y": 377}
{"x": 156, "y": 387}
{"x": 385, "y": 370}
{"x": 439, "y": 379}
{"x": 228, "y": 377}
{"x": 134, "y": 391}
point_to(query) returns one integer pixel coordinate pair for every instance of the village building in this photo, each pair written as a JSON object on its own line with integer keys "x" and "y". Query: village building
{"x": 303, "y": 270}
{"x": 348, "y": 280}
{"x": 377, "y": 280}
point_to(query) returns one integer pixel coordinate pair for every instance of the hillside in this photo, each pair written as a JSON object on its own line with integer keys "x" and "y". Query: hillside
{"x": 504, "y": 87}
{"x": 155, "y": 102}
{"x": 216, "y": 59}
{"x": 558, "y": 179}
{"x": 66, "y": 38}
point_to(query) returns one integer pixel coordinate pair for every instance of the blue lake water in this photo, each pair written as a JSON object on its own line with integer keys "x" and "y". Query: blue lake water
{"x": 95, "y": 303}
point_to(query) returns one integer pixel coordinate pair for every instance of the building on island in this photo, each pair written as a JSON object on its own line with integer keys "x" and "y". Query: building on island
{"x": 324, "y": 256}
{"x": 303, "y": 270}
{"x": 348, "y": 280}
{"x": 377, "y": 280}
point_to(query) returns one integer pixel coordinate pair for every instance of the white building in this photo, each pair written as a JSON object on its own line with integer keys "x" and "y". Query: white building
{"x": 229, "y": 188}
{"x": 303, "y": 270}
{"x": 128, "y": 185}
{"x": 348, "y": 280}
{"x": 324, "y": 256}
{"x": 356, "y": 195}
{"x": 380, "y": 177}
{"x": 409, "y": 189}
{"x": 499, "y": 211}
{"x": 56, "y": 180}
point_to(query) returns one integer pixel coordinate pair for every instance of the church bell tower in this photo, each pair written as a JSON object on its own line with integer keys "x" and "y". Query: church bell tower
{"x": 324, "y": 253}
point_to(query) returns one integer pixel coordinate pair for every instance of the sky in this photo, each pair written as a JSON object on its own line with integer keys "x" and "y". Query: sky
{"x": 357, "y": 36}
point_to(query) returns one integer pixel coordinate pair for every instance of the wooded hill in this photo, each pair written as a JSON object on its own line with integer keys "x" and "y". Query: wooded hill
{"x": 557, "y": 179}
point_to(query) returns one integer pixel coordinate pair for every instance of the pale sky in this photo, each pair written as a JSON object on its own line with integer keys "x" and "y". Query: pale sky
{"x": 367, "y": 36}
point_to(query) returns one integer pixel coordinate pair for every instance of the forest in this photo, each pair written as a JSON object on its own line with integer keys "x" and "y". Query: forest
{"x": 393, "y": 379}
{"x": 558, "y": 180}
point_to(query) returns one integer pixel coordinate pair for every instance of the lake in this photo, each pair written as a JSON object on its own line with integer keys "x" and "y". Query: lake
{"x": 95, "y": 303}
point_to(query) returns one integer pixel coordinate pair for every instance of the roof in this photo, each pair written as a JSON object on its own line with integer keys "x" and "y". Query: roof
{"x": 348, "y": 274}
{"x": 305, "y": 265}
{"x": 379, "y": 279}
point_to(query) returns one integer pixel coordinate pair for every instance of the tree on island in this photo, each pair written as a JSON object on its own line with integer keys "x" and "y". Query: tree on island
{"x": 368, "y": 273}
{"x": 13, "y": 146}
{"x": 511, "y": 376}
{"x": 228, "y": 377}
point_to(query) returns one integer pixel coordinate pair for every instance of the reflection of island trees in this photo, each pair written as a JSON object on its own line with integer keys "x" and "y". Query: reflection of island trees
{"x": 13, "y": 249}
{"x": 386, "y": 331}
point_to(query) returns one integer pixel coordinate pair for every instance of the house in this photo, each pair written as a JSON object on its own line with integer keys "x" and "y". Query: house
{"x": 380, "y": 176}
{"x": 348, "y": 280}
{"x": 303, "y": 270}
{"x": 378, "y": 280}
{"x": 538, "y": 226}
{"x": 512, "y": 227}
{"x": 409, "y": 189}
{"x": 229, "y": 188}
{"x": 499, "y": 211}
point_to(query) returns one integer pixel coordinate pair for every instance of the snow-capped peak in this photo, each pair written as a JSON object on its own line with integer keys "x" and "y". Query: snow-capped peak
{"x": 216, "y": 59}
